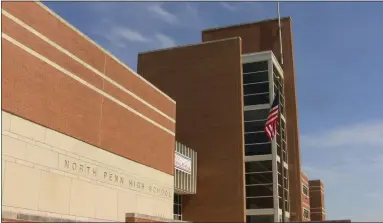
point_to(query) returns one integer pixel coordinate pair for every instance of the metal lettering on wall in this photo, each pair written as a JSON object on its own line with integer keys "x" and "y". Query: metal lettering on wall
{"x": 84, "y": 169}
{"x": 183, "y": 163}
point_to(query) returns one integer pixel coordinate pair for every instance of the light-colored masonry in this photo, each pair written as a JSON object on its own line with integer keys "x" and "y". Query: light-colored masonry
{"x": 50, "y": 174}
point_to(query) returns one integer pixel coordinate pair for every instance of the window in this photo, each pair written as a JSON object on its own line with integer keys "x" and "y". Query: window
{"x": 261, "y": 178}
{"x": 259, "y": 219}
{"x": 256, "y": 137}
{"x": 256, "y": 88}
{"x": 256, "y": 141}
{"x": 258, "y": 166}
{"x": 258, "y": 149}
{"x": 259, "y": 202}
{"x": 256, "y": 77}
{"x": 306, "y": 213}
{"x": 177, "y": 211}
{"x": 305, "y": 190}
{"x": 256, "y": 83}
{"x": 257, "y": 99}
{"x": 259, "y": 190}
{"x": 260, "y": 114}
{"x": 256, "y": 66}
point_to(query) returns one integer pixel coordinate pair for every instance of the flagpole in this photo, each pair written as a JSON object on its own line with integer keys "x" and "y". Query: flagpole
{"x": 282, "y": 160}
{"x": 280, "y": 34}
{"x": 280, "y": 119}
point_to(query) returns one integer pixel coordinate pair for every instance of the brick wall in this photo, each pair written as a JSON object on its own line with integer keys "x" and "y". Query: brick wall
{"x": 305, "y": 198}
{"x": 317, "y": 205}
{"x": 206, "y": 82}
{"x": 262, "y": 36}
{"x": 55, "y": 76}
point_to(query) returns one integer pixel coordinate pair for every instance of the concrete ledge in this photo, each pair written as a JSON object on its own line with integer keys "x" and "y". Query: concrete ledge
{"x": 135, "y": 217}
{"x": 8, "y": 216}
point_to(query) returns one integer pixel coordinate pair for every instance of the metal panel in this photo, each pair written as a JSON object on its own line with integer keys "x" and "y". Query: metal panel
{"x": 186, "y": 183}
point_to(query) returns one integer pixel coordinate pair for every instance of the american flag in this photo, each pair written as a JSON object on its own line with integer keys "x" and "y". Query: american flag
{"x": 272, "y": 119}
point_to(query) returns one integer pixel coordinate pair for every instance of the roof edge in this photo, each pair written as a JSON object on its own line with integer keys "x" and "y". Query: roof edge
{"x": 188, "y": 45}
{"x": 244, "y": 24}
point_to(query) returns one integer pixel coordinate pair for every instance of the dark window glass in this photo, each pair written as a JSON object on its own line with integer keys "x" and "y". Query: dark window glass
{"x": 257, "y": 137}
{"x": 280, "y": 203}
{"x": 259, "y": 203}
{"x": 260, "y": 219}
{"x": 258, "y": 166}
{"x": 255, "y": 88}
{"x": 259, "y": 178}
{"x": 260, "y": 114}
{"x": 256, "y": 77}
{"x": 177, "y": 207}
{"x": 254, "y": 67}
{"x": 257, "y": 99}
{"x": 255, "y": 126}
{"x": 305, "y": 190}
{"x": 305, "y": 213}
{"x": 259, "y": 149}
{"x": 259, "y": 190}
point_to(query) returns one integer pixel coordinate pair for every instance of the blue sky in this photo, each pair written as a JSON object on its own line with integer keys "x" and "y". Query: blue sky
{"x": 338, "y": 57}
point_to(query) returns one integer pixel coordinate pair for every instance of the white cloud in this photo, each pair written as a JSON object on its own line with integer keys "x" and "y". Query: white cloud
{"x": 228, "y": 6}
{"x": 163, "y": 14}
{"x": 165, "y": 41}
{"x": 373, "y": 195}
{"x": 361, "y": 135}
{"x": 128, "y": 34}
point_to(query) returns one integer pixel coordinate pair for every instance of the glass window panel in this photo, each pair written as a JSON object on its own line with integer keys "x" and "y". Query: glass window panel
{"x": 255, "y": 126}
{"x": 259, "y": 219}
{"x": 259, "y": 149}
{"x": 256, "y": 99}
{"x": 259, "y": 190}
{"x": 254, "y": 67}
{"x": 259, "y": 178}
{"x": 258, "y": 166}
{"x": 256, "y": 88}
{"x": 256, "y": 77}
{"x": 257, "y": 137}
{"x": 259, "y": 114}
{"x": 176, "y": 197}
{"x": 305, "y": 190}
{"x": 258, "y": 203}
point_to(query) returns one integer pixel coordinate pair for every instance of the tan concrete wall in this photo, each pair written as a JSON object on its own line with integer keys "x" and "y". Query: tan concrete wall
{"x": 47, "y": 173}
{"x": 55, "y": 76}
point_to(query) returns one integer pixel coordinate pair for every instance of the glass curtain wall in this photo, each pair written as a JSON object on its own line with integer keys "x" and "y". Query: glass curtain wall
{"x": 259, "y": 174}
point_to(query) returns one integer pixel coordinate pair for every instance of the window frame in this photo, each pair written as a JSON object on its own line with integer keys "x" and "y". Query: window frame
{"x": 304, "y": 186}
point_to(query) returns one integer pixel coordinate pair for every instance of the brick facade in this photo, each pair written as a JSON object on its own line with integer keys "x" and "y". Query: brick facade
{"x": 305, "y": 197}
{"x": 206, "y": 81}
{"x": 262, "y": 36}
{"x": 139, "y": 127}
{"x": 317, "y": 205}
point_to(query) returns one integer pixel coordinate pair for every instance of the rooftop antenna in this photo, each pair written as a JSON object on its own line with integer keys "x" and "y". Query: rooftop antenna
{"x": 280, "y": 34}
